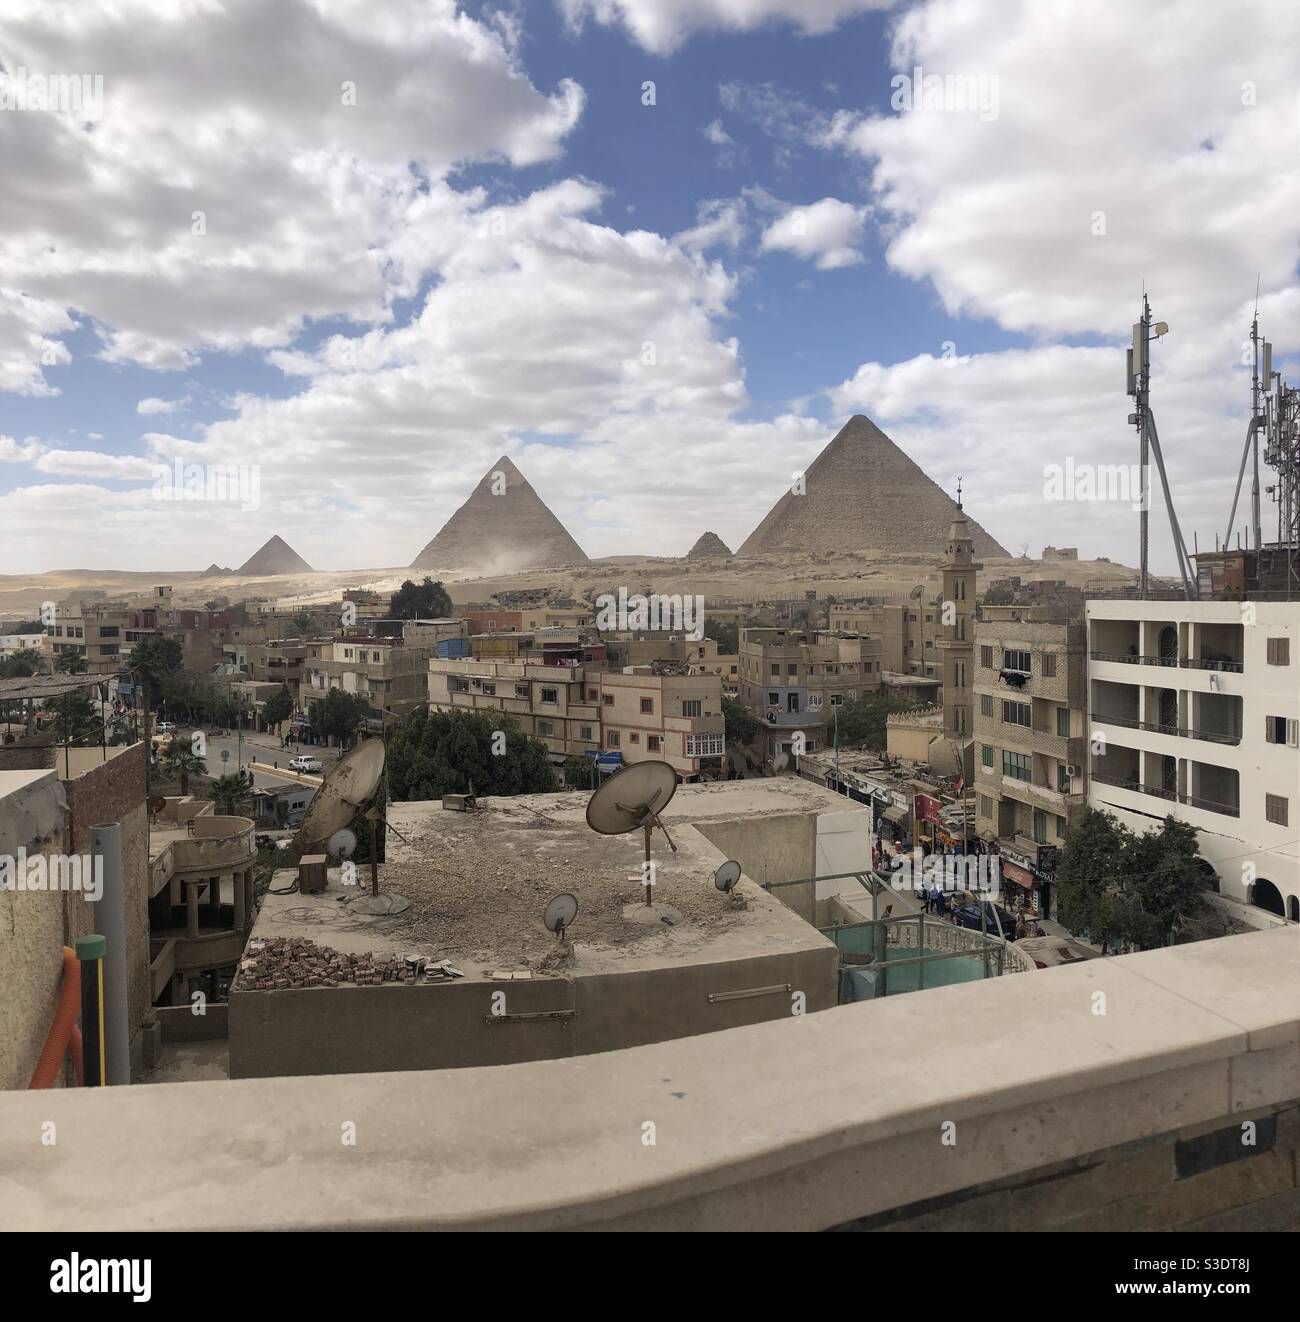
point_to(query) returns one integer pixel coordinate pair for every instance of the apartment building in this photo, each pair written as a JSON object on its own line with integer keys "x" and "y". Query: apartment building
{"x": 639, "y": 649}
{"x": 1195, "y": 714}
{"x": 112, "y": 629}
{"x": 793, "y": 681}
{"x": 909, "y": 631}
{"x": 66, "y": 632}
{"x": 1030, "y": 699}
{"x": 556, "y": 704}
{"x": 391, "y": 675}
{"x": 647, "y": 714}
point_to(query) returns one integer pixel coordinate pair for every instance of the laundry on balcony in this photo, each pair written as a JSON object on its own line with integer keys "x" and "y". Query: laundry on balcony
{"x": 1016, "y": 678}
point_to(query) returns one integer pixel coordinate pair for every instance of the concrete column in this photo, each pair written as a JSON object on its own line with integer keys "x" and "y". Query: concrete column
{"x": 214, "y": 898}
{"x": 239, "y": 901}
{"x": 192, "y": 907}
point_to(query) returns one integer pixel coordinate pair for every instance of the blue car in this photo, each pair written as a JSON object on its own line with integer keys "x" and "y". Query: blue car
{"x": 984, "y": 917}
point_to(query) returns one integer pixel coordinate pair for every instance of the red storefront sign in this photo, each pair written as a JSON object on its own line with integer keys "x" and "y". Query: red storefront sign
{"x": 1018, "y": 875}
{"x": 926, "y": 809}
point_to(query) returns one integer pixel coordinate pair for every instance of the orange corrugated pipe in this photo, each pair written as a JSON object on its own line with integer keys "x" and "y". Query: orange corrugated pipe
{"x": 64, "y": 1036}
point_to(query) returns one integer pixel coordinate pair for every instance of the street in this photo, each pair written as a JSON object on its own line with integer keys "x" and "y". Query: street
{"x": 262, "y": 748}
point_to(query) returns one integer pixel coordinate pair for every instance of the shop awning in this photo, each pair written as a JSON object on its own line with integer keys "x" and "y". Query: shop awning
{"x": 895, "y": 814}
{"x": 1013, "y": 873}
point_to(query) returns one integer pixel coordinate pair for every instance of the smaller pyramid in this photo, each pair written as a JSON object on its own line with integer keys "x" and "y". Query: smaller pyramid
{"x": 215, "y": 570}
{"x": 275, "y": 557}
{"x": 709, "y": 547}
{"x": 503, "y": 527}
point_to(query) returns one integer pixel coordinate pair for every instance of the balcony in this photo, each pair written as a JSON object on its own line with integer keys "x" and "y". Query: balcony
{"x": 1170, "y": 796}
{"x": 1177, "y": 731}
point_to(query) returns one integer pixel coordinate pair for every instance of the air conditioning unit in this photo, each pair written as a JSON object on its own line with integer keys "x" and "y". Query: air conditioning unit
{"x": 1071, "y": 772}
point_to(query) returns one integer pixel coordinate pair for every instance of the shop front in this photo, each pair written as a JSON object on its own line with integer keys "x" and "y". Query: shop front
{"x": 1027, "y": 877}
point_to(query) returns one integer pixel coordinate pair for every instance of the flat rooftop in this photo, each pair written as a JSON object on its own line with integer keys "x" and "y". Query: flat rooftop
{"x": 479, "y": 881}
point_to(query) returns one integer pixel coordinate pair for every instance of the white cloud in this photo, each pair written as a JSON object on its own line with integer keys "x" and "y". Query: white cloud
{"x": 662, "y": 25}
{"x": 148, "y": 407}
{"x": 20, "y": 452}
{"x": 91, "y": 463}
{"x": 717, "y": 135}
{"x": 314, "y": 139}
{"x": 827, "y": 232}
{"x": 720, "y": 222}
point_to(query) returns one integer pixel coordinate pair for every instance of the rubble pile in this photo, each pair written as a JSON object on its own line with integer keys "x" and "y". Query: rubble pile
{"x": 282, "y": 963}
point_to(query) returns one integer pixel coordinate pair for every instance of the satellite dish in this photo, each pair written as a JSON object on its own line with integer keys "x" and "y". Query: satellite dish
{"x": 632, "y": 798}
{"x": 919, "y": 590}
{"x": 726, "y": 877}
{"x": 348, "y": 788}
{"x": 155, "y": 803}
{"x": 342, "y": 844}
{"x": 560, "y": 913}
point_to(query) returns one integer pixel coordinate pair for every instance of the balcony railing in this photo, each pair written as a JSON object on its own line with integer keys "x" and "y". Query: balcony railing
{"x": 1156, "y": 727}
{"x": 1188, "y": 800}
{"x": 1186, "y": 663}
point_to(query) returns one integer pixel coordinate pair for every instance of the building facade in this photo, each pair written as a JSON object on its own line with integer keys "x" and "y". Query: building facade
{"x": 671, "y": 718}
{"x": 1195, "y": 714}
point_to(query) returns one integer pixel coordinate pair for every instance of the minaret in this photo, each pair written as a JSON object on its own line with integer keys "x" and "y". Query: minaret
{"x": 958, "y": 639}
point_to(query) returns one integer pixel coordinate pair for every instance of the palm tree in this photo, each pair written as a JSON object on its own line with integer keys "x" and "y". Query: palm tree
{"x": 181, "y": 760}
{"x": 230, "y": 791}
{"x": 70, "y": 663}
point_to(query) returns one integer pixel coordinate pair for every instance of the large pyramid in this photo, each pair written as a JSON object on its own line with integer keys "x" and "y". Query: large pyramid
{"x": 275, "y": 557}
{"x": 863, "y": 491}
{"x": 503, "y": 527}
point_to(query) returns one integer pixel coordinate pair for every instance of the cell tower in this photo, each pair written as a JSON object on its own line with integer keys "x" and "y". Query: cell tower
{"x": 1139, "y": 387}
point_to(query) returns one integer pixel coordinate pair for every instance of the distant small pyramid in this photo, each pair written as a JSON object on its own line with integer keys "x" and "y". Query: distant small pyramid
{"x": 862, "y": 492}
{"x": 709, "y": 547}
{"x": 503, "y": 527}
{"x": 275, "y": 557}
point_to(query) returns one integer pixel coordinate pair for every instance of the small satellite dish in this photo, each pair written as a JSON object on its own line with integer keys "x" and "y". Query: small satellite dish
{"x": 726, "y": 877}
{"x": 560, "y": 913}
{"x": 342, "y": 844}
{"x": 632, "y": 798}
{"x": 919, "y": 590}
{"x": 155, "y": 803}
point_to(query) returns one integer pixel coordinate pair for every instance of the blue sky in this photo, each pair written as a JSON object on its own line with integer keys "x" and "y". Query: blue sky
{"x": 361, "y": 234}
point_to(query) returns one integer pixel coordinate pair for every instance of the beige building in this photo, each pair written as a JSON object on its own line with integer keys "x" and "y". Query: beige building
{"x": 1031, "y": 706}
{"x": 957, "y": 641}
{"x": 66, "y": 632}
{"x": 793, "y": 681}
{"x": 558, "y": 705}
{"x": 702, "y": 655}
{"x": 909, "y": 631}
{"x": 667, "y": 718}
{"x": 388, "y": 673}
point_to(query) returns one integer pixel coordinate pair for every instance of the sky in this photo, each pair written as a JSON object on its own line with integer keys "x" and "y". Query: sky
{"x": 656, "y": 251}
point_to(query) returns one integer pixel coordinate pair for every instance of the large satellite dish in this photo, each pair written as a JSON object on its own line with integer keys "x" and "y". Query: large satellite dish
{"x": 345, "y": 791}
{"x": 632, "y": 798}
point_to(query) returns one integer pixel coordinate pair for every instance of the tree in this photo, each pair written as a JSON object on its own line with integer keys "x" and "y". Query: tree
{"x": 230, "y": 791}
{"x": 741, "y": 725}
{"x": 180, "y": 761}
{"x": 152, "y": 659}
{"x": 278, "y": 707}
{"x": 22, "y": 663}
{"x": 76, "y": 721}
{"x": 70, "y": 663}
{"x": 422, "y": 601}
{"x": 864, "y": 722}
{"x": 1169, "y": 876}
{"x": 338, "y": 714}
{"x": 725, "y": 633}
{"x": 1089, "y": 869}
{"x": 434, "y": 753}
{"x": 579, "y": 772}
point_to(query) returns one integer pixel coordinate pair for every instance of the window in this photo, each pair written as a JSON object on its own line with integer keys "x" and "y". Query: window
{"x": 1063, "y": 722}
{"x": 837, "y": 699}
{"x": 636, "y": 738}
{"x": 1279, "y": 651}
{"x": 1275, "y": 808}
{"x": 693, "y": 708}
{"x": 1015, "y": 765}
{"x": 1049, "y": 664}
{"x": 611, "y": 738}
{"x": 986, "y": 704}
{"x": 986, "y": 656}
{"x": 1281, "y": 730}
{"x": 521, "y": 690}
{"x": 959, "y": 674}
{"x": 1061, "y": 828}
{"x": 704, "y": 745}
{"x": 773, "y": 699}
{"x": 1017, "y": 713}
{"x": 489, "y": 689}
{"x": 609, "y": 699}
{"x": 1040, "y": 827}
{"x": 545, "y": 728}
{"x": 593, "y": 695}
{"x": 1013, "y": 659}
{"x": 654, "y": 743}
{"x": 647, "y": 706}
{"x": 111, "y": 631}
{"x": 776, "y": 669}
{"x": 986, "y": 806}
{"x": 986, "y": 755}
{"x": 584, "y": 732}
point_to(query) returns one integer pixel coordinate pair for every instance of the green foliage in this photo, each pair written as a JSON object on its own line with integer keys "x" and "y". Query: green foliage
{"x": 337, "y": 715}
{"x": 1128, "y": 890}
{"x": 420, "y": 601}
{"x": 278, "y": 707}
{"x": 742, "y": 727}
{"x": 179, "y": 761}
{"x": 24, "y": 662}
{"x": 580, "y": 773}
{"x": 75, "y": 719}
{"x": 435, "y": 753}
{"x": 70, "y": 663}
{"x": 726, "y": 633}
{"x": 862, "y": 723}
{"x": 152, "y": 660}
{"x": 230, "y": 791}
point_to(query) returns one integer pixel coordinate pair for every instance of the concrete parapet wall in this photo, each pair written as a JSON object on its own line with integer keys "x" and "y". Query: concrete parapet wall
{"x": 1118, "y": 1105}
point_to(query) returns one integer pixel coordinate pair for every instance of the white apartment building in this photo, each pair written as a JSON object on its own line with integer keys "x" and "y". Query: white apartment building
{"x": 1194, "y": 713}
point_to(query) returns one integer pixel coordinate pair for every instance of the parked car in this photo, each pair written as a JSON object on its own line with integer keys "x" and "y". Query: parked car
{"x": 984, "y": 916}
{"x": 304, "y": 763}
{"x": 165, "y": 727}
